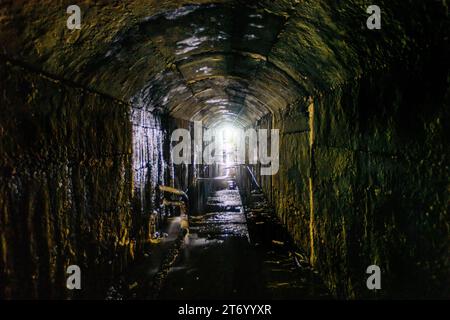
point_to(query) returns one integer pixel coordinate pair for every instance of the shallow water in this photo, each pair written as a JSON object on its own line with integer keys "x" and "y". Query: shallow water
{"x": 218, "y": 260}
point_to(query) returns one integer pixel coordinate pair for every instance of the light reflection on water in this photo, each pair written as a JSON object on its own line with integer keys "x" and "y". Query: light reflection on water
{"x": 219, "y": 223}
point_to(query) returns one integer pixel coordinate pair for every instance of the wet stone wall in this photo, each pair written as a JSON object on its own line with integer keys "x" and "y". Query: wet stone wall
{"x": 65, "y": 186}
{"x": 380, "y": 189}
{"x": 364, "y": 180}
{"x": 153, "y": 166}
{"x": 150, "y": 169}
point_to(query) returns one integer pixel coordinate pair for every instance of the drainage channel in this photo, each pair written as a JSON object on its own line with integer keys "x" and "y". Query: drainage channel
{"x": 234, "y": 250}
{"x": 287, "y": 272}
{"x": 240, "y": 252}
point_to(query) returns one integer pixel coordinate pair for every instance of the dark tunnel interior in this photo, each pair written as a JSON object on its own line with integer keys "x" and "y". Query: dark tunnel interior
{"x": 89, "y": 174}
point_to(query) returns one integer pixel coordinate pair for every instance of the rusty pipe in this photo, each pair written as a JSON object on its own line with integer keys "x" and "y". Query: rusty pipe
{"x": 183, "y": 205}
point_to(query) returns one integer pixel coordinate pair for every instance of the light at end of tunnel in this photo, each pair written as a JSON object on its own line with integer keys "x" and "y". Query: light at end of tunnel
{"x": 229, "y": 134}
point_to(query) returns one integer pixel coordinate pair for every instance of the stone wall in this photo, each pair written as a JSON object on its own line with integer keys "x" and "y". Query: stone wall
{"x": 364, "y": 180}
{"x": 364, "y": 163}
{"x": 78, "y": 183}
{"x": 65, "y": 186}
{"x": 153, "y": 166}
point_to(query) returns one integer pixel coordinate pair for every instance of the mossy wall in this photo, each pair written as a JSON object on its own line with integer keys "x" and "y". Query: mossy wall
{"x": 65, "y": 186}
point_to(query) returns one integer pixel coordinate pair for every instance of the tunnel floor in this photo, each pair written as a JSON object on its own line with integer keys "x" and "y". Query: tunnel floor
{"x": 221, "y": 259}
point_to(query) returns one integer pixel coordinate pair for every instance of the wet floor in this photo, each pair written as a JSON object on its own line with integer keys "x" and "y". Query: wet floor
{"x": 220, "y": 259}
{"x": 234, "y": 250}
{"x": 217, "y": 260}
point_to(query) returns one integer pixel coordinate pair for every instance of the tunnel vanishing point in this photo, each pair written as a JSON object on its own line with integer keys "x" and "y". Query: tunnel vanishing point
{"x": 86, "y": 117}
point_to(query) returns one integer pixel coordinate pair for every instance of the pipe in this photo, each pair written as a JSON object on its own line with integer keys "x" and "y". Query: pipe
{"x": 174, "y": 191}
{"x": 183, "y": 205}
{"x": 214, "y": 178}
{"x": 253, "y": 177}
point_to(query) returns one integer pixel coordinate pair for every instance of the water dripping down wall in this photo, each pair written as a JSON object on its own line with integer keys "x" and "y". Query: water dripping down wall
{"x": 151, "y": 167}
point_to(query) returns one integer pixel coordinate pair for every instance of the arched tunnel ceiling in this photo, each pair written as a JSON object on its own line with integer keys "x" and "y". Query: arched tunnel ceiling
{"x": 227, "y": 60}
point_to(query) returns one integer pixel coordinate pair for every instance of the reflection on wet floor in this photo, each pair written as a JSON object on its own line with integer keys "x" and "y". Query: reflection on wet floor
{"x": 218, "y": 225}
{"x": 224, "y": 218}
{"x": 233, "y": 251}
{"x": 225, "y": 200}
{"x": 218, "y": 261}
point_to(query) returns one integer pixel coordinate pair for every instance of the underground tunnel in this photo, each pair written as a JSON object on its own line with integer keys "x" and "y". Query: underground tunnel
{"x": 109, "y": 111}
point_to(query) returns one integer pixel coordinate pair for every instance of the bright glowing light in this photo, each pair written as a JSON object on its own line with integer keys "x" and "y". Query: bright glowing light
{"x": 229, "y": 134}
